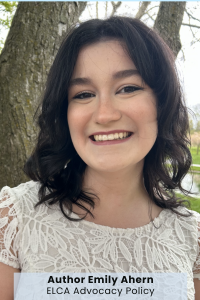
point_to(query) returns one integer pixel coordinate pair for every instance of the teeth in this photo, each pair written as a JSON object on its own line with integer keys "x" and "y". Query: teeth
{"x": 116, "y": 136}
{"x": 105, "y": 137}
{"x": 111, "y": 137}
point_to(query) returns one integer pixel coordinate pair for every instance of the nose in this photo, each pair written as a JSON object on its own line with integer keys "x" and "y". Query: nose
{"x": 106, "y": 111}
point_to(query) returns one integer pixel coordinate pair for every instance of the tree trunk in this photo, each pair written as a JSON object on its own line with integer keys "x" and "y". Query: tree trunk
{"x": 32, "y": 43}
{"x": 168, "y": 23}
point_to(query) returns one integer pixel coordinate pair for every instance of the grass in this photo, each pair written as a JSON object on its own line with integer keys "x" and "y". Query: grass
{"x": 195, "y": 156}
{"x": 194, "y": 168}
{"x": 194, "y": 202}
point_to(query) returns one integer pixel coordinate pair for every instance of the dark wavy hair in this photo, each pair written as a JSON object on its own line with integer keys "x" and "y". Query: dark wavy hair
{"x": 169, "y": 159}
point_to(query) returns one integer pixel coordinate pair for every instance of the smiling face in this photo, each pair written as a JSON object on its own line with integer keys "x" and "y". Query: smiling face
{"x": 112, "y": 114}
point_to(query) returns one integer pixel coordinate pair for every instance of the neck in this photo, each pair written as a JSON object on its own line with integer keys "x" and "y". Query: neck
{"x": 117, "y": 190}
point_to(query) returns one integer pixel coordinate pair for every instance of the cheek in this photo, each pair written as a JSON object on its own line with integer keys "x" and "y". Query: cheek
{"x": 144, "y": 115}
{"x": 77, "y": 120}
{"x": 143, "y": 112}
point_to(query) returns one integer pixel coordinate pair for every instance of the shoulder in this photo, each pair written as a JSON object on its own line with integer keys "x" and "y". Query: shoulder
{"x": 185, "y": 228}
{"x": 19, "y": 201}
{"x": 25, "y": 194}
{"x": 182, "y": 215}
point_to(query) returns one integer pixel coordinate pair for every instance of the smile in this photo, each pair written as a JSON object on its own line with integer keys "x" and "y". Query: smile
{"x": 111, "y": 137}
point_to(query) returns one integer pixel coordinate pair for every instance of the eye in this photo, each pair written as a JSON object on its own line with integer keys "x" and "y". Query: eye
{"x": 129, "y": 89}
{"x": 84, "y": 95}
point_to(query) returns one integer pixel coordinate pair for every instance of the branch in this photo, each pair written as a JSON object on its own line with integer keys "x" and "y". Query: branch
{"x": 97, "y": 10}
{"x": 115, "y": 7}
{"x": 147, "y": 11}
{"x": 142, "y": 10}
{"x": 191, "y": 16}
{"x": 185, "y": 24}
{"x": 151, "y": 17}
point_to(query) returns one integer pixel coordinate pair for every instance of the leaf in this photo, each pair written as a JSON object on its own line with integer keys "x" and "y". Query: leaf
{"x": 118, "y": 269}
{"x": 42, "y": 240}
{"x": 77, "y": 231}
{"x": 138, "y": 252}
{"x": 95, "y": 240}
{"x": 13, "y": 211}
{"x": 26, "y": 238}
{"x": 98, "y": 233}
{"x": 47, "y": 257}
{"x": 105, "y": 263}
{"x": 4, "y": 255}
{"x": 113, "y": 252}
{"x": 61, "y": 242}
{"x": 106, "y": 250}
{"x": 165, "y": 234}
{"x": 133, "y": 269}
{"x": 124, "y": 250}
{"x": 156, "y": 256}
{"x": 51, "y": 217}
{"x": 175, "y": 258}
{"x": 186, "y": 226}
{"x": 34, "y": 240}
{"x": 75, "y": 252}
{"x": 169, "y": 221}
{"x": 3, "y": 222}
{"x": 8, "y": 201}
{"x": 41, "y": 210}
{"x": 43, "y": 264}
{"x": 68, "y": 256}
{"x": 10, "y": 233}
{"x": 144, "y": 270}
{"x": 52, "y": 240}
{"x": 179, "y": 231}
{"x": 16, "y": 243}
{"x": 98, "y": 248}
{"x": 83, "y": 250}
{"x": 163, "y": 257}
{"x": 65, "y": 233}
{"x": 176, "y": 250}
{"x": 149, "y": 256}
{"x": 184, "y": 247}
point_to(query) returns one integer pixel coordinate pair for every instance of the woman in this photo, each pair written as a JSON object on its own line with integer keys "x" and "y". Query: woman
{"x": 102, "y": 196}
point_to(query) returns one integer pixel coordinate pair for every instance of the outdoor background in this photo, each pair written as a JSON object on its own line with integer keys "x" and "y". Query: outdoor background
{"x": 28, "y": 48}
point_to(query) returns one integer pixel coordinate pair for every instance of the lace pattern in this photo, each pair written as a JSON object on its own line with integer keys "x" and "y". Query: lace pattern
{"x": 43, "y": 240}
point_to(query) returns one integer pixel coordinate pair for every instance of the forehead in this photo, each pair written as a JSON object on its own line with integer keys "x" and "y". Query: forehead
{"x": 104, "y": 56}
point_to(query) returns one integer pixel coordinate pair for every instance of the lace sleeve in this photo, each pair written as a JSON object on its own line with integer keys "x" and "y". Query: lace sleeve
{"x": 9, "y": 234}
{"x": 196, "y": 268}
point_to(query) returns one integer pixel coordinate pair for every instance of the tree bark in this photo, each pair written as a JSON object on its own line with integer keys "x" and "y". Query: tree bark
{"x": 35, "y": 35}
{"x": 168, "y": 23}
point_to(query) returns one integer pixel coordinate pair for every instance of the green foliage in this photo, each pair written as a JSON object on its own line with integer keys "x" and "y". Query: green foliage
{"x": 194, "y": 118}
{"x": 7, "y": 11}
{"x": 191, "y": 126}
{"x": 195, "y": 156}
{"x": 195, "y": 169}
{"x": 194, "y": 202}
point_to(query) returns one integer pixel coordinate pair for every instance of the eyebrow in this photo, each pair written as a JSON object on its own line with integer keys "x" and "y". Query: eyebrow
{"x": 117, "y": 75}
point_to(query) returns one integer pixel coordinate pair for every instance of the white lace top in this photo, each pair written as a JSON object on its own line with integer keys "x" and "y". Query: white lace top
{"x": 43, "y": 240}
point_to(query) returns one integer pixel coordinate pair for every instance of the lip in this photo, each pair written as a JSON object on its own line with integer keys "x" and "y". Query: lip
{"x": 110, "y": 132}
